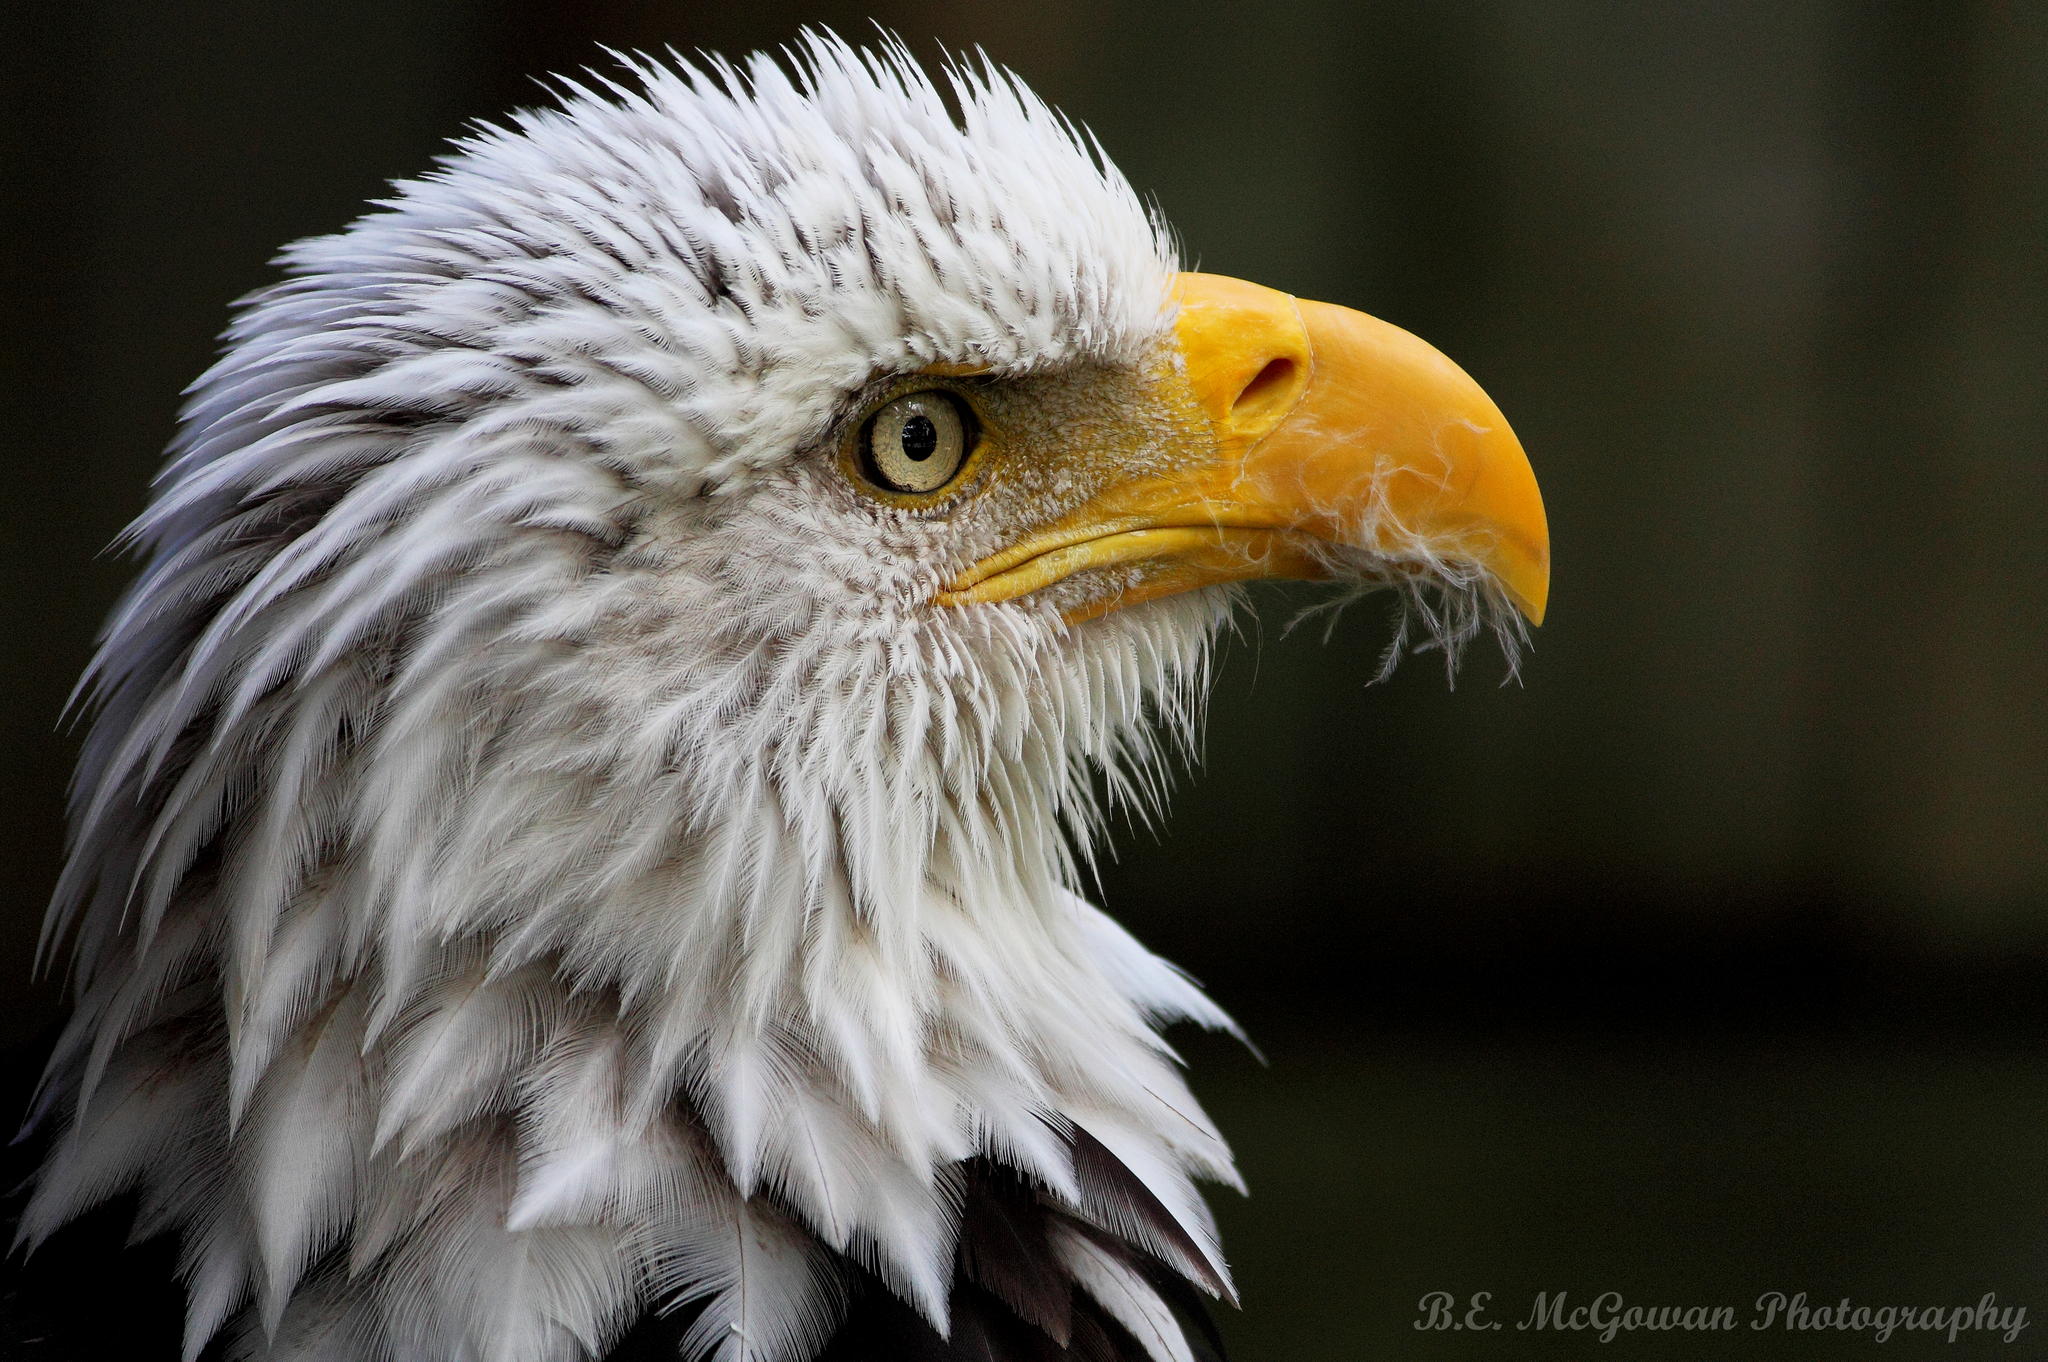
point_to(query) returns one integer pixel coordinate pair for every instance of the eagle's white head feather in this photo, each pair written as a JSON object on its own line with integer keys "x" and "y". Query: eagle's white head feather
{"x": 542, "y": 856}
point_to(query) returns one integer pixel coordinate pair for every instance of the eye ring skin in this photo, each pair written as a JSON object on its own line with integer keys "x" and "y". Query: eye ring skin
{"x": 857, "y": 465}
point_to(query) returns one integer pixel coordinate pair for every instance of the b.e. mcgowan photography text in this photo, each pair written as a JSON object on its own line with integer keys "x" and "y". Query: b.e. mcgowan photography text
{"x": 1610, "y": 1315}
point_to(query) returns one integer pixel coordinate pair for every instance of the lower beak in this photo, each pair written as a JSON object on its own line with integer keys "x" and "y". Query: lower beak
{"x": 1334, "y": 432}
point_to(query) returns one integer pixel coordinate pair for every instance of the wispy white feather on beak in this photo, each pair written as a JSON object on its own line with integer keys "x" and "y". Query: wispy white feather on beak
{"x": 548, "y": 862}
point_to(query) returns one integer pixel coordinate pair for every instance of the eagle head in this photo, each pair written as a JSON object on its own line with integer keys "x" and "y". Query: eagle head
{"x": 583, "y": 811}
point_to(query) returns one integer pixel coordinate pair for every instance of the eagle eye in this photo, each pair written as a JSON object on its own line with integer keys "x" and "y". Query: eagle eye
{"x": 916, "y": 443}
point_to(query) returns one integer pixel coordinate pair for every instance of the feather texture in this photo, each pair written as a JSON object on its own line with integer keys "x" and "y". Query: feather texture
{"x": 540, "y": 864}
{"x": 1125, "y": 1295}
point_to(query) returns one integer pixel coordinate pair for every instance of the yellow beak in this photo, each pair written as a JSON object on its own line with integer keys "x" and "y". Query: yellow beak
{"x": 1331, "y": 428}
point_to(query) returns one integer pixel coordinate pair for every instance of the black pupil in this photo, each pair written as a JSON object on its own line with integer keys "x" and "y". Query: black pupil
{"x": 920, "y": 438}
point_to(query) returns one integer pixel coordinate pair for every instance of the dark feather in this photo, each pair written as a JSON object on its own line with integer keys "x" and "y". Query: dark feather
{"x": 1011, "y": 1301}
{"x": 1004, "y": 1249}
{"x": 1104, "y": 1178}
{"x": 1191, "y": 1312}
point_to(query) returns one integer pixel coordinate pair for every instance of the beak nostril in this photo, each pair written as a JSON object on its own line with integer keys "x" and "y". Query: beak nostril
{"x": 1271, "y": 390}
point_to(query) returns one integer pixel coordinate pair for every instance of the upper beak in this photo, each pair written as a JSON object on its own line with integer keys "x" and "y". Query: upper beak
{"x": 1331, "y": 428}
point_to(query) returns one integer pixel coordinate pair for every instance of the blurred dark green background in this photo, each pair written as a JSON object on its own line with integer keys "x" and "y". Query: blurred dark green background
{"x": 1713, "y": 959}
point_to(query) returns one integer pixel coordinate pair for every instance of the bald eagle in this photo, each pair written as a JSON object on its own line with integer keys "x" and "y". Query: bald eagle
{"x": 578, "y": 844}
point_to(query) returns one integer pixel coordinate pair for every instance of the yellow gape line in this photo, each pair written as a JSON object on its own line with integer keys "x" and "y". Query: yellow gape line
{"x": 1330, "y": 428}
